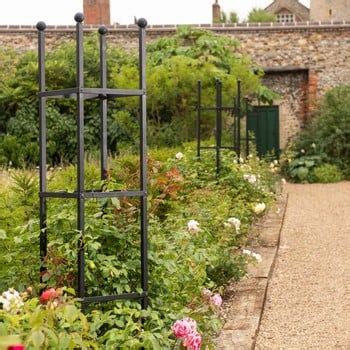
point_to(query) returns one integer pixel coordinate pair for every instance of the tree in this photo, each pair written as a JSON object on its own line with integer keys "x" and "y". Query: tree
{"x": 230, "y": 17}
{"x": 258, "y": 15}
{"x": 233, "y": 17}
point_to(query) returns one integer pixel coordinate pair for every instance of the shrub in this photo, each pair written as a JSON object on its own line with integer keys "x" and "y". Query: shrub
{"x": 58, "y": 325}
{"x": 301, "y": 168}
{"x": 327, "y": 173}
{"x": 326, "y": 139}
{"x": 258, "y": 15}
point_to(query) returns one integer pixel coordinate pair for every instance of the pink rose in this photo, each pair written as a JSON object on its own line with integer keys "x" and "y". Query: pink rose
{"x": 216, "y": 300}
{"x": 193, "y": 341}
{"x": 48, "y": 295}
{"x": 181, "y": 328}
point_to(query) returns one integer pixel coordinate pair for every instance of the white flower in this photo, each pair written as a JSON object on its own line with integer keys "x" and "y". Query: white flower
{"x": 250, "y": 156}
{"x": 11, "y": 300}
{"x": 274, "y": 165}
{"x": 234, "y": 222}
{"x": 179, "y": 155}
{"x": 241, "y": 160}
{"x": 193, "y": 226}
{"x": 247, "y": 252}
{"x": 302, "y": 151}
{"x": 259, "y": 208}
{"x": 313, "y": 145}
{"x": 256, "y": 256}
{"x": 250, "y": 178}
{"x": 284, "y": 181}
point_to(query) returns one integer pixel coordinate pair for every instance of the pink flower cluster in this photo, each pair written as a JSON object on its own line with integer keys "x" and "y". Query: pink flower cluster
{"x": 186, "y": 330}
{"x": 214, "y": 299}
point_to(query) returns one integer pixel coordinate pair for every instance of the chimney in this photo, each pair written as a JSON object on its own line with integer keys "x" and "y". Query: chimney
{"x": 97, "y": 12}
{"x": 216, "y": 12}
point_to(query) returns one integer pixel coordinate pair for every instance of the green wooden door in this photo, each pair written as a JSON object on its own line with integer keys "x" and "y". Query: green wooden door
{"x": 263, "y": 121}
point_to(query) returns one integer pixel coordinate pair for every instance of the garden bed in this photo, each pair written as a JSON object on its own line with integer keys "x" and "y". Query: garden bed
{"x": 198, "y": 228}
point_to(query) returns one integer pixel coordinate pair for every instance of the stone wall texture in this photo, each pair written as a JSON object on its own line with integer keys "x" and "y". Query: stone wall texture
{"x": 329, "y": 10}
{"x": 302, "y": 61}
{"x": 292, "y": 86}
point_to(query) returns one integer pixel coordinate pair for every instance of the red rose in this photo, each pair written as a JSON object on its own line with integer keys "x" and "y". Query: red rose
{"x": 48, "y": 295}
{"x": 16, "y": 347}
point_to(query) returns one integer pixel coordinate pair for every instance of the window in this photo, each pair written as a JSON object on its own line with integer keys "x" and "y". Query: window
{"x": 285, "y": 18}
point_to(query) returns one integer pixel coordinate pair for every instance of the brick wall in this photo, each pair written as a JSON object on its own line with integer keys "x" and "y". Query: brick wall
{"x": 97, "y": 11}
{"x": 216, "y": 12}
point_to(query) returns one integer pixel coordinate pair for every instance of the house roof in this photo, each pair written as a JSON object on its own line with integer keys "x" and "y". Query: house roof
{"x": 292, "y": 5}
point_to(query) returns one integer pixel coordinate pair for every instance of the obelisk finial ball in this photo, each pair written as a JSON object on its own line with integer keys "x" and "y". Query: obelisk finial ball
{"x": 79, "y": 17}
{"x": 142, "y": 23}
{"x": 102, "y": 30}
{"x": 41, "y": 26}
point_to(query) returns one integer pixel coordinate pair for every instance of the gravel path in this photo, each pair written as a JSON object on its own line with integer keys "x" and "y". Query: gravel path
{"x": 308, "y": 301}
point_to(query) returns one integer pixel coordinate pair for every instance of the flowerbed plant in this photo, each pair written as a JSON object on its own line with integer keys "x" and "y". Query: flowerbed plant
{"x": 198, "y": 228}
{"x": 321, "y": 152}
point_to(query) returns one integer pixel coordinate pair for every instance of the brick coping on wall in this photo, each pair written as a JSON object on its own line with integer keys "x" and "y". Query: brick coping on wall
{"x": 240, "y": 27}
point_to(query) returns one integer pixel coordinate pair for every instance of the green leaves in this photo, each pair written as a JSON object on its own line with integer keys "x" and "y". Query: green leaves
{"x": 301, "y": 169}
{"x": 181, "y": 263}
{"x": 36, "y": 339}
{"x": 3, "y": 234}
{"x": 62, "y": 326}
{"x": 7, "y": 340}
{"x": 258, "y": 15}
{"x": 326, "y": 136}
{"x": 302, "y": 173}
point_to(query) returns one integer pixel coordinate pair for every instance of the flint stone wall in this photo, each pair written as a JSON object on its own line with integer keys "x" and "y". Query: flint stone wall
{"x": 302, "y": 60}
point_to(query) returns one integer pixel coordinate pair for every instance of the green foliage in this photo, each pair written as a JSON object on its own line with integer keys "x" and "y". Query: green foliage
{"x": 327, "y": 136}
{"x": 257, "y": 15}
{"x": 265, "y": 95}
{"x": 327, "y": 173}
{"x": 174, "y": 66}
{"x": 233, "y": 17}
{"x": 230, "y": 17}
{"x": 42, "y": 327}
{"x": 181, "y": 262}
{"x": 301, "y": 169}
